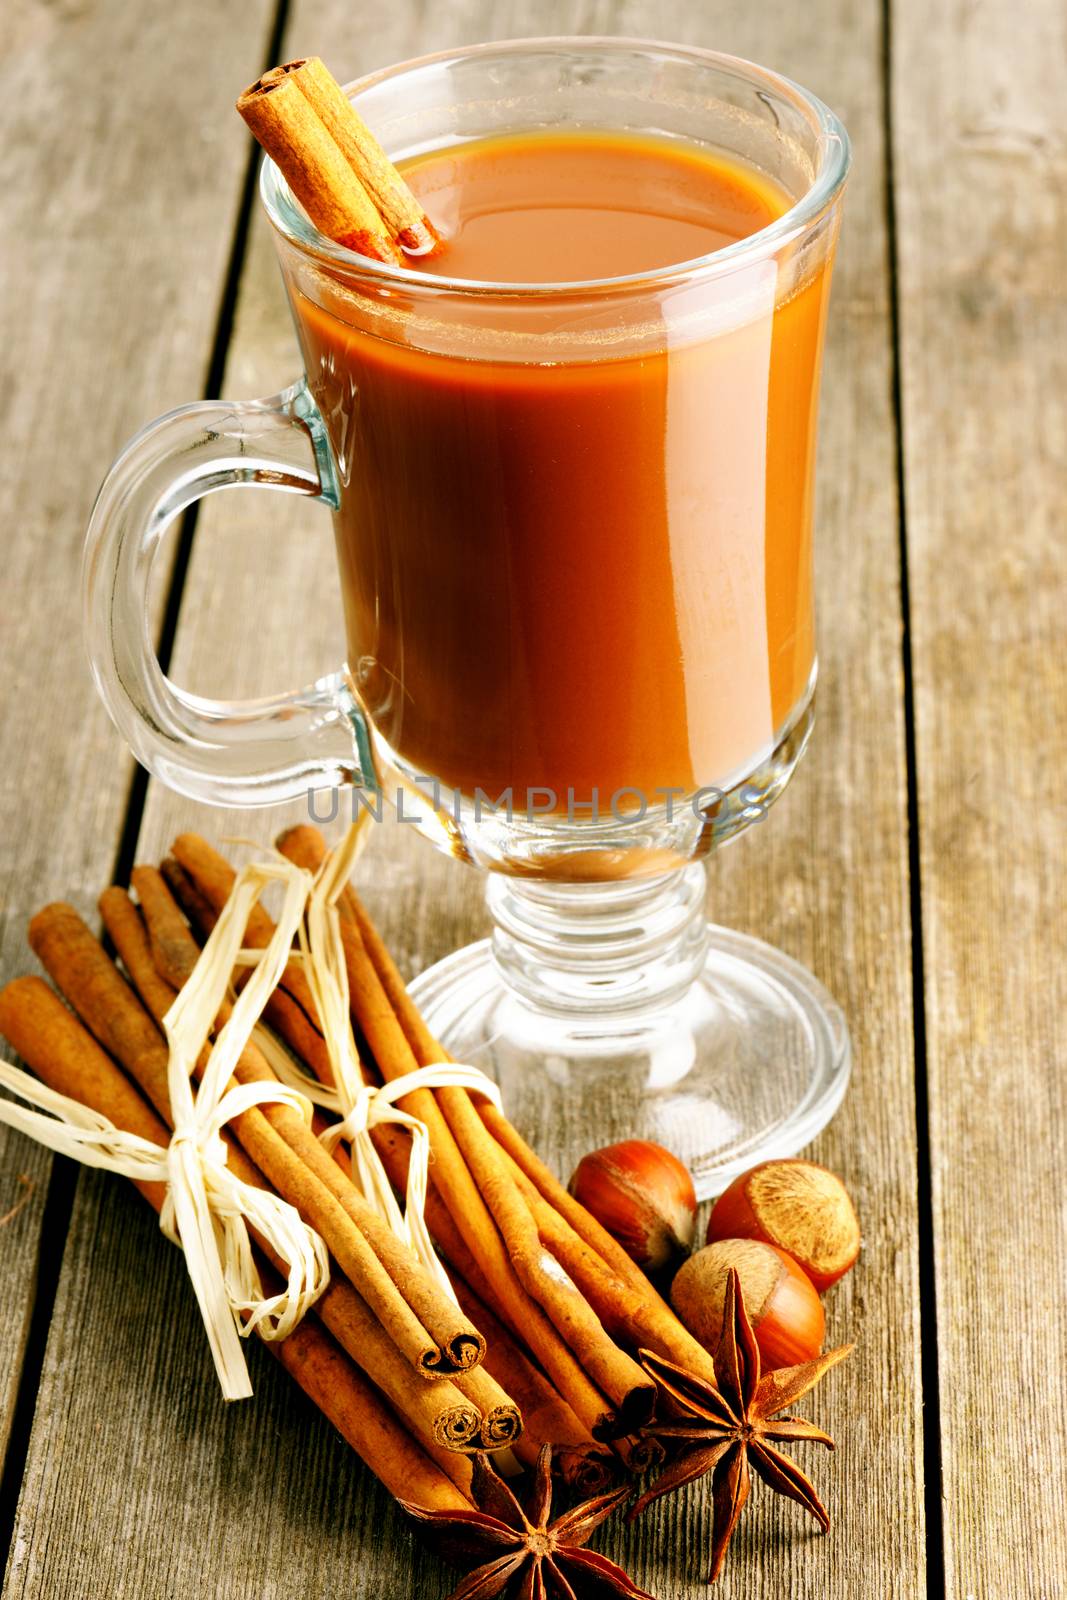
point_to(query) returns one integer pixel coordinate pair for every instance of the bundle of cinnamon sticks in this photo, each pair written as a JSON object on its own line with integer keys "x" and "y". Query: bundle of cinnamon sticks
{"x": 540, "y": 1348}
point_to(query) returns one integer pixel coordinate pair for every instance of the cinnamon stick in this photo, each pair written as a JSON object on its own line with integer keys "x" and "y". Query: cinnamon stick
{"x": 640, "y": 1453}
{"x": 285, "y": 123}
{"x": 633, "y": 1312}
{"x": 66, "y": 1057}
{"x": 402, "y": 214}
{"x": 53, "y": 1042}
{"x": 501, "y": 1420}
{"x": 438, "y": 1413}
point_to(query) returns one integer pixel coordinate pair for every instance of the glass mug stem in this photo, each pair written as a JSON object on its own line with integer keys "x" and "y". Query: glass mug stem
{"x": 600, "y": 950}
{"x": 236, "y": 752}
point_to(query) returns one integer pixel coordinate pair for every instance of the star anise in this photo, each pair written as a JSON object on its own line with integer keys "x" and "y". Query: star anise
{"x": 526, "y": 1554}
{"x": 727, "y": 1428}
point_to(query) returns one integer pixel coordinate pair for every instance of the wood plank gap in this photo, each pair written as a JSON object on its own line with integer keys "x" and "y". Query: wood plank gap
{"x": 133, "y": 811}
{"x": 929, "y": 1366}
{"x": 52, "y": 1241}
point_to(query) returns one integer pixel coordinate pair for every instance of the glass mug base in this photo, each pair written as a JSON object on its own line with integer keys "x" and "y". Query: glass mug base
{"x": 749, "y": 1062}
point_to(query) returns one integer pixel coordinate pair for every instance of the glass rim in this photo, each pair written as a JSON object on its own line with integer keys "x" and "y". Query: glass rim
{"x": 834, "y": 156}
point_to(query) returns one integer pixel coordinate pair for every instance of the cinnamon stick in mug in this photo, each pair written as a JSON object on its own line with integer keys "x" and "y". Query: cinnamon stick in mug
{"x": 398, "y": 208}
{"x": 333, "y": 163}
{"x": 285, "y": 123}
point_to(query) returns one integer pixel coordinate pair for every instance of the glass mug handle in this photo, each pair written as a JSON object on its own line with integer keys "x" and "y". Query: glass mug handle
{"x": 236, "y": 752}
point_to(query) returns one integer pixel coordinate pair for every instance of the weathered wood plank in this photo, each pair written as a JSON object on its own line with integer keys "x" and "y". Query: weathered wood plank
{"x": 982, "y": 214}
{"x": 106, "y": 317}
{"x": 794, "y": 881}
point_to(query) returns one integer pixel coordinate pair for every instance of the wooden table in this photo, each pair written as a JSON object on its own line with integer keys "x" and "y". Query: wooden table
{"x": 916, "y": 863}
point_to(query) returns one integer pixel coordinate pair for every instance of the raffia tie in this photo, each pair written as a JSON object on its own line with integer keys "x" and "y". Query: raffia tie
{"x": 207, "y": 1209}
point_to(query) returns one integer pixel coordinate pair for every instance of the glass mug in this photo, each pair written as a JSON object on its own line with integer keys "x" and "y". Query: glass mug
{"x": 581, "y": 667}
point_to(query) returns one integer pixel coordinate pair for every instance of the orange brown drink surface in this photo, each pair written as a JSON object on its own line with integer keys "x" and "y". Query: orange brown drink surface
{"x": 575, "y": 538}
